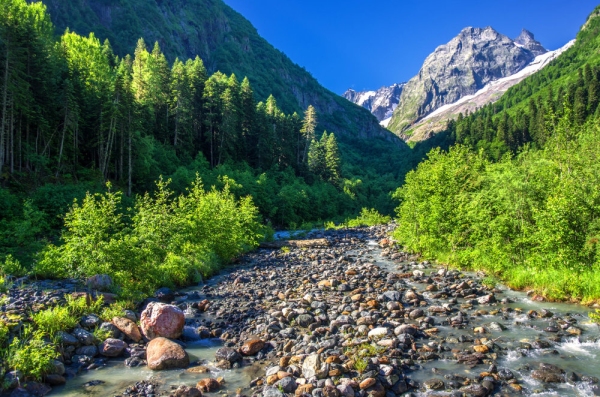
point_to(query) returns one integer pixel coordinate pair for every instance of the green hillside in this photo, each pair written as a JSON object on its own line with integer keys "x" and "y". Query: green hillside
{"x": 225, "y": 41}
{"x": 518, "y": 196}
{"x": 520, "y": 117}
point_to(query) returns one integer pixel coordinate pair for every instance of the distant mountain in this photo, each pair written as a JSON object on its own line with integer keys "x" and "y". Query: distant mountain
{"x": 438, "y": 120}
{"x": 225, "y": 41}
{"x": 463, "y": 66}
{"x": 381, "y": 103}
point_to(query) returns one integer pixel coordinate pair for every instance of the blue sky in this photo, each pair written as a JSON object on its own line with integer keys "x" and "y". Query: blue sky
{"x": 365, "y": 44}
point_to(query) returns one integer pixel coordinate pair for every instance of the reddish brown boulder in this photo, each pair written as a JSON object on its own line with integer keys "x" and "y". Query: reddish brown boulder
{"x": 162, "y": 353}
{"x": 128, "y": 327}
{"x": 208, "y": 385}
{"x": 162, "y": 320}
{"x": 252, "y": 347}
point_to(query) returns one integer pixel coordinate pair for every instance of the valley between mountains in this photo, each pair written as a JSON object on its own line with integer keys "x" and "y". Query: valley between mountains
{"x": 185, "y": 211}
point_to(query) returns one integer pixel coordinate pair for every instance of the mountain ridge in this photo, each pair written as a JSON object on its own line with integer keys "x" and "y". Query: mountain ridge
{"x": 380, "y": 103}
{"x": 464, "y": 65}
{"x": 226, "y": 41}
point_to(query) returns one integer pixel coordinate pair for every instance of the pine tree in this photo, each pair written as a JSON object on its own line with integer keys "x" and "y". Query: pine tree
{"x": 308, "y": 131}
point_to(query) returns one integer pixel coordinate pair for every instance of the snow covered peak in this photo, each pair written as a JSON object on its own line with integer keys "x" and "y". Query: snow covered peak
{"x": 381, "y": 102}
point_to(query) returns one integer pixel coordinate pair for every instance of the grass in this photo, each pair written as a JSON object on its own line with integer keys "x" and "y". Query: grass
{"x": 116, "y": 309}
{"x": 64, "y": 318}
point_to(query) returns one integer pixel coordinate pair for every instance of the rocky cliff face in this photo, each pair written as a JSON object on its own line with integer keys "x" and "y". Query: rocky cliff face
{"x": 381, "y": 103}
{"x": 225, "y": 41}
{"x": 461, "y": 67}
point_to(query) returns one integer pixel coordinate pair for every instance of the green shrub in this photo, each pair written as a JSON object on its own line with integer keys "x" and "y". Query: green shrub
{"x": 51, "y": 321}
{"x": 116, "y": 309}
{"x": 368, "y": 217}
{"x": 163, "y": 241}
{"x": 12, "y": 267}
{"x": 31, "y": 355}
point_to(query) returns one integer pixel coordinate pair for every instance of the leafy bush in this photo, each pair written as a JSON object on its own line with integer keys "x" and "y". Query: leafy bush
{"x": 369, "y": 217}
{"x": 51, "y": 321}
{"x": 31, "y": 355}
{"x": 66, "y": 317}
{"x": 116, "y": 309}
{"x": 12, "y": 267}
{"x": 163, "y": 241}
{"x": 531, "y": 220}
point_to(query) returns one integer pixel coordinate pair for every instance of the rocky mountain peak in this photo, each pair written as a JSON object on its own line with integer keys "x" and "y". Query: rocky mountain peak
{"x": 527, "y": 40}
{"x": 461, "y": 67}
{"x": 381, "y": 103}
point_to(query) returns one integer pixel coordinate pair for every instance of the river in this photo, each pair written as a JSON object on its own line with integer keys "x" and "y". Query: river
{"x": 576, "y": 354}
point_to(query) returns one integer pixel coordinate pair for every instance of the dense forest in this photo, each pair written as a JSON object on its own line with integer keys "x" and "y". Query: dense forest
{"x": 518, "y": 195}
{"x": 74, "y": 115}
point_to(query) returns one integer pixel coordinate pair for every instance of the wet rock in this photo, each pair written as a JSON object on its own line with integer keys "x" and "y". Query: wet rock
{"x": 208, "y": 385}
{"x": 549, "y": 373}
{"x": 252, "y": 347}
{"x": 487, "y": 299}
{"x": 128, "y": 327}
{"x": 55, "y": 380}
{"x": 111, "y": 330}
{"x": 185, "y": 391}
{"x": 162, "y": 354}
{"x": 162, "y": 320}
{"x": 164, "y": 295}
{"x": 227, "y": 354}
{"x": 91, "y": 351}
{"x": 112, "y": 347}
{"x": 434, "y": 384}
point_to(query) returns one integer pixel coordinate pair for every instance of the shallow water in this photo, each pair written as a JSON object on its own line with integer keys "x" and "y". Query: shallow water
{"x": 118, "y": 377}
{"x": 576, "y": 354}
{"x": 580, "y": 355}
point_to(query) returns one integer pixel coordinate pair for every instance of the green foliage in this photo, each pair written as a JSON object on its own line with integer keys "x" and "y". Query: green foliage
{"x": 532, "y": 220}
{"x": 31, "y": 355}
{"x": 51, "y": 321}
{"x": 116, "y": 309}
{"x": 65, "y": 317}
{"x": 595, "y": 316}
{"x": 163, "y": 241}
{"x": 12, "y": 267}
{"x": 368, "y": 217}
{"x": 361, "y": 364}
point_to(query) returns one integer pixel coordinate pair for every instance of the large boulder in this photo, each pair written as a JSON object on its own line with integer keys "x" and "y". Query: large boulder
{"x": 162, "y": 320}
{"x": 163, "y": 353}
{"x": 112, "y": 347}
{"x": 128, "y": 327}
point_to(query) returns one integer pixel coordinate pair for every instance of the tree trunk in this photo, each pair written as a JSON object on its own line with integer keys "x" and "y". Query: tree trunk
{"x": 62, "y": 139}
{"x": 4, "y": 100}
{"x": 130, "y": 169}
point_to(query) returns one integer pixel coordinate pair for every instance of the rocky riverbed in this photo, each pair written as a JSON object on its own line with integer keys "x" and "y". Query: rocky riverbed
{"x": 355, "y": 318}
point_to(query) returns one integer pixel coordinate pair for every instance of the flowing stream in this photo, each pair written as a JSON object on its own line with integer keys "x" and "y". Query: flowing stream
{"x": 578, "y": 354}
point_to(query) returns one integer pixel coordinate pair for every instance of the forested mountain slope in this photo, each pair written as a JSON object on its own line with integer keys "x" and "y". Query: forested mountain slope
{"x": 520, "y": 197}
{"x": 225, "y": 41}
{"x": 522, "y": 115}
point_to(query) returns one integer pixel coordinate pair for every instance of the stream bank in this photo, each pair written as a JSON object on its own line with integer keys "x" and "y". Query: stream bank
{"x": 360, "y": 318}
